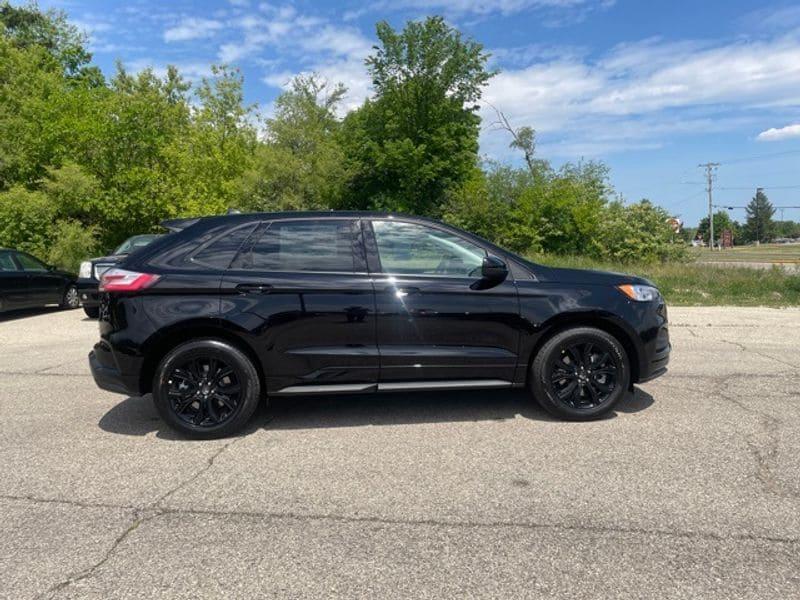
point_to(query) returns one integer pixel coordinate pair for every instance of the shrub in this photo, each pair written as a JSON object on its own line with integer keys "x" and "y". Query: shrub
{"x": 72, "y": 243}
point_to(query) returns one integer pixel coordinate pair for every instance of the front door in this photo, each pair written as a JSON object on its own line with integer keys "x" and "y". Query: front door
{"x": 434, "y": 323}
{"x": 301, "y": 290}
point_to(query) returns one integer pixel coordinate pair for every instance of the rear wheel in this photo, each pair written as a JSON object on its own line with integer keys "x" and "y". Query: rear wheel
{"x": 206, "y": 389}
{"x": 580, "y": 374}
{"x": 92, "y": 311}
{"x": 70, "y": 299}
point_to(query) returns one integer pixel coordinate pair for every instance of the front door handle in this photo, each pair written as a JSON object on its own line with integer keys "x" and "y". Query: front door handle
{"x": 254, "y": 288}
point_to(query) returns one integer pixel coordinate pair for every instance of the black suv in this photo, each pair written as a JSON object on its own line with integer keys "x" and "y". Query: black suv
{"x": 234, "y": 308}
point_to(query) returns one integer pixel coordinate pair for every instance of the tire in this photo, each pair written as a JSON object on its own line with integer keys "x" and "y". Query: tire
{"x": 92, "y": 311}
{"x": 184, "y": 379}
{"x": 580, "y": 374}
{"x": 70, "y": 300}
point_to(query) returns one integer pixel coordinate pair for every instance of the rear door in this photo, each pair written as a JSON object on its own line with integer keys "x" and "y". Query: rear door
{"x": 434, "y": 323}
{"x": 44, "y": 286}
{"x": 300, "y": 290}
{"x": 13, "y": 282}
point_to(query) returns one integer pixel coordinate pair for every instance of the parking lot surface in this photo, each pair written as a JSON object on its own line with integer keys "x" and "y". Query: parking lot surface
{"x": 691, "y": 489}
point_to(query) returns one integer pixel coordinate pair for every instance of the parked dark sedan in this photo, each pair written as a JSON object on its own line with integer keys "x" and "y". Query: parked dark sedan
{"x": 92, "y": 269}
{"x": 27, "y": 282}
{"x": 232, "y": 309}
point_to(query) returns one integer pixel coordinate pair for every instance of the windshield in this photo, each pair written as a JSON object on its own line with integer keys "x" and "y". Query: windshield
{"x": 134, "y": 243}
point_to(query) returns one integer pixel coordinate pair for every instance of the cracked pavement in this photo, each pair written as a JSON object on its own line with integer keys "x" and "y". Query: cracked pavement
{"x": 692, "y": 488}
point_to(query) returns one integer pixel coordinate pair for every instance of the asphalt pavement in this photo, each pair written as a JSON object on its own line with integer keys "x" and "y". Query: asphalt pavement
{"x": 690, "y": 489}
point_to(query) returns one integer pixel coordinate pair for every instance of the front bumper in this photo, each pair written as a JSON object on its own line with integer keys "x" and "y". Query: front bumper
{"x": 106, "y": 374}
{"x": 656, "y": 360}
{"x": 88, "y": 292}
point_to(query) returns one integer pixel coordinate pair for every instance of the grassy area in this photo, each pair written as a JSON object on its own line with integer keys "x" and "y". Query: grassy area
{"x": 698, "y": 284}
{"x": 774, "y": 253}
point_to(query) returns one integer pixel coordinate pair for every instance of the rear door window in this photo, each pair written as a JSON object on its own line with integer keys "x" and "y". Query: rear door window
{"x": 324, "y": 245}
{"x": 31, "y": 264}
{"x": 6, "y": 262}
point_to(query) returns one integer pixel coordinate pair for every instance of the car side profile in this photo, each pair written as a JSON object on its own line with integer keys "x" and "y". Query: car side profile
{"x": 27, "y": 282}
{"x": 232, "y": 309}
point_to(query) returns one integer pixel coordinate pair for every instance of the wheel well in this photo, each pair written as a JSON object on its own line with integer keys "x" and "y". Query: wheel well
{"x": 174, "y": 339}
{"x": 587, "y": 321}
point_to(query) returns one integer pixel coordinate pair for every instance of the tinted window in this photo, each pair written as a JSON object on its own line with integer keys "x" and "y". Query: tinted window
{"x": 29, "y": 263}
{"x": 412, "y": 249}
{"x": 6, "y": 262}
{"x": 220, "y": 253}
{"x": 325, "y": 245}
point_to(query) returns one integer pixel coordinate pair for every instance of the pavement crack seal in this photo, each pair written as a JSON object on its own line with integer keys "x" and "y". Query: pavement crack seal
{"x": 151, "y": 511}
{"x": 53, "y": 590}
{"x": 765, "y": 453}
{"x": 744, "y": 348}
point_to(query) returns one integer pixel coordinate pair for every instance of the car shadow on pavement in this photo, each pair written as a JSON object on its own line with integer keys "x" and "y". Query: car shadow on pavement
{"x": 137, "y": 416}
{"x": 23, "y": 313}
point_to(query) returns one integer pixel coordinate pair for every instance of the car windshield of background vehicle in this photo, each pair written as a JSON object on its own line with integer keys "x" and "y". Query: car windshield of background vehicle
{"x": 412, "y": 249}
{"x": 134, "y": 243}
{"x": 317, "y": 246}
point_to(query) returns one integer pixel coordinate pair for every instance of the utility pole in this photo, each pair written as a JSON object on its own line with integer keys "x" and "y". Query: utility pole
{"x": 709, "y": 167}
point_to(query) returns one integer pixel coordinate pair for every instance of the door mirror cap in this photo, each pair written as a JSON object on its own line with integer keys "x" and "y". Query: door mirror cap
{"x": 493, "y": 270}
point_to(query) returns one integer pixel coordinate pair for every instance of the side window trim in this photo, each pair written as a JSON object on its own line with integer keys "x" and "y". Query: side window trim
{"x": 356, "y": 247}
{"x": 374, "y": 253}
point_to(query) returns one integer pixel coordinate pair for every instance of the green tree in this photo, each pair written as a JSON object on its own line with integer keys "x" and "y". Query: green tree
{"x": 302, "y": 164}
{"x": 759, "y": 225}
{"x": 418, "y": 137}
{"x": 28, "y": 26}
{"x": 722, "y": 221}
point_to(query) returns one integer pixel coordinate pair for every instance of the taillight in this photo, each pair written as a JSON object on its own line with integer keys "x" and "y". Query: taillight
{"x": 120, "y": 280}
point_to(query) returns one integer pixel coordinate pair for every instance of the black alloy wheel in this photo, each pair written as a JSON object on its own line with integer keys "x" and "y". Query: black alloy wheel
{"x": 204, "y": 392}
{"x": 206, "y": 388}
{"x": 580, "y": 373}
{"x": 583, "y": 375}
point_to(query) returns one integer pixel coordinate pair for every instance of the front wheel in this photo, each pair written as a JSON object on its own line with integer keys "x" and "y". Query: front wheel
{"x": 580, "y": 374}
{"x": 206, "y": 389}
{"x": 70, "y": 299}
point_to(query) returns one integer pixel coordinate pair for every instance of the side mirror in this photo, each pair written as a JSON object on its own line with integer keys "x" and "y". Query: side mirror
{"x": 493, "y": 271}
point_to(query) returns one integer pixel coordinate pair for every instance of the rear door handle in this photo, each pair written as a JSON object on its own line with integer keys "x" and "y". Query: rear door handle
{"x": 254, "y": 288}
{"x": 403, "y": 291}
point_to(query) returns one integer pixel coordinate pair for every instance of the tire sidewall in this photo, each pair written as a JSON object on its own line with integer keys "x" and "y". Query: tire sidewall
{"x": 236, "y": 359}
{"x": 541, "y": 368}
{"x": 65, "y": 302}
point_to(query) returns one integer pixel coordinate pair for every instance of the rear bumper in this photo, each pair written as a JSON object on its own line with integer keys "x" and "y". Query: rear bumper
{"x": 107, "y": 376}
{"x": 88, "y": 292}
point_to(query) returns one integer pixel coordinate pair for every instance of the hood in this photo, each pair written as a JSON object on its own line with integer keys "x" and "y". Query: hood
{"x": 587, "y": 276}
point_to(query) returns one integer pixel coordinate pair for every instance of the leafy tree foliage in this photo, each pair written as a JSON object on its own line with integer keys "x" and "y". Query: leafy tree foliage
{"x": 722, "y": 221}
{"x": 86, "y": 161}
{"x": 417, "y": 138}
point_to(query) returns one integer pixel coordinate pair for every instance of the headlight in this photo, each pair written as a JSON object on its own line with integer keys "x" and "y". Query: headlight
{"x": 640, "y": 293}
{"x": 86, "y": 270}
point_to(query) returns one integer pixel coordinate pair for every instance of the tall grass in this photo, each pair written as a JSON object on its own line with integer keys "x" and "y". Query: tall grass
{"x": 698, "y": 284}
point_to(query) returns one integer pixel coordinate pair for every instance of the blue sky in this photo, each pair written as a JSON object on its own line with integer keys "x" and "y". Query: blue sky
{"x": 651, "y": 87}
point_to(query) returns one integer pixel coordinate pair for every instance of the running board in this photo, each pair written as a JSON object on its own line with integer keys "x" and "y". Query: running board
{"x": 455, "y": 384}
{"x": 398, "y": 386}
{"x": 330, "y": 388}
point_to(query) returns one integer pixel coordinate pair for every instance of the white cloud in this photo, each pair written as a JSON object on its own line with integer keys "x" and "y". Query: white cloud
{"x": 641, "y": 93}
{"x": 192, "y": 28}
{"x": 775, "y": 134}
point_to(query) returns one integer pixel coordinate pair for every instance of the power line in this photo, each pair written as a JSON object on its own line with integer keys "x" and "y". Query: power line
{"x": 732, "y": 161}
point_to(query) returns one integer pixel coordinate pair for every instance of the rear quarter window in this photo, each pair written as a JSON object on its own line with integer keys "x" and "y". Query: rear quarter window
{"x": 213, "y": 248}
